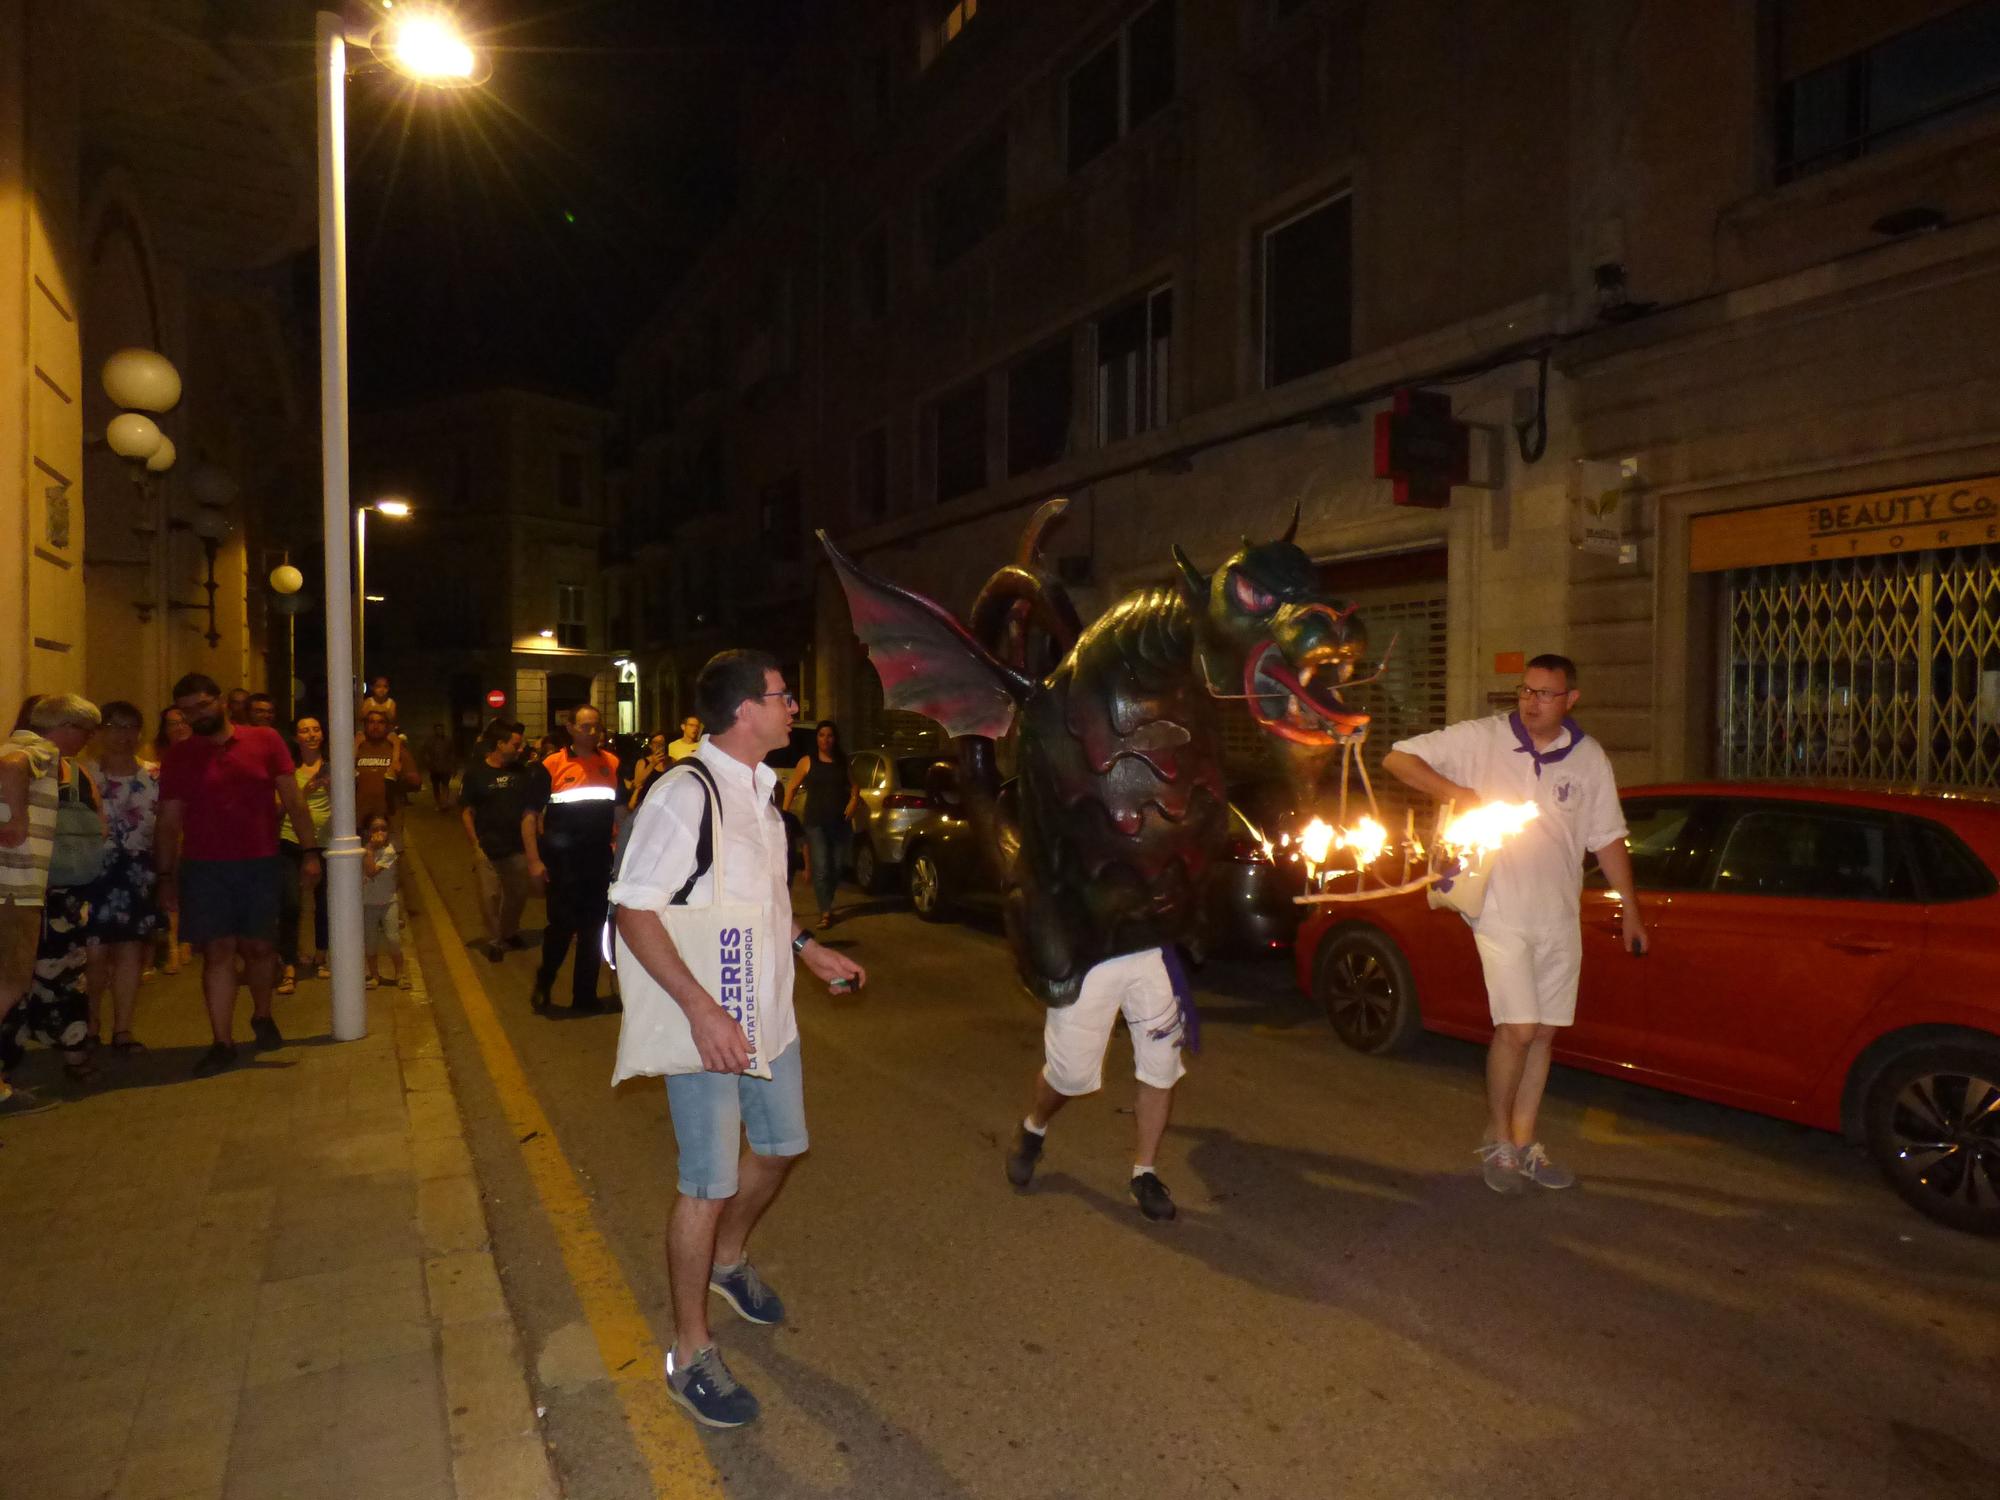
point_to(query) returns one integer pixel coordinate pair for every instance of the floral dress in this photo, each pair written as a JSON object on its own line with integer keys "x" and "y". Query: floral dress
{"x": 122, "y": 909}
{"x": 56, "y": 1009}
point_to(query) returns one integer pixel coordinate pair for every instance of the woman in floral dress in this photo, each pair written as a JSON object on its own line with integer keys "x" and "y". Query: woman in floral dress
{"x": 123, "y": 916}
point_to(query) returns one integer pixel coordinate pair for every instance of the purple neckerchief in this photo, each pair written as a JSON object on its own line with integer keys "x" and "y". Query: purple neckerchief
{"x": 1542, "y": 757}
{"x": 1189, "y": 1017}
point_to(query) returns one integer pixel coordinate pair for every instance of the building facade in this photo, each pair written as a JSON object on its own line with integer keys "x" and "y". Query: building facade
{"x": 494, "y": 584}
{"x": 1675, "y": 266}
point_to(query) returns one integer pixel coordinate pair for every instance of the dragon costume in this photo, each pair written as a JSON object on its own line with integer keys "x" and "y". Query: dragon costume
{"x": 1100, "y": 842}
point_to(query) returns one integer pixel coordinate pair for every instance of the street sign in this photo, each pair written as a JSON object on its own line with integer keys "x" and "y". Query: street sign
{"x": 497, "y": 698}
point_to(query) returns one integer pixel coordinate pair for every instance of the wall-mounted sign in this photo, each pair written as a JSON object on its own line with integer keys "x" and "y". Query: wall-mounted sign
{"x": 1604, "y": 508}
{"x": 1422, "y": 448}
{"x": 1958, "y": 513}
{"x": 1509, "y": 663}
{"x": 496, "y": 698}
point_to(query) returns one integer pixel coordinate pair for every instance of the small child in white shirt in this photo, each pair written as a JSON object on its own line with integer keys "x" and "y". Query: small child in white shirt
{"x": 381, "y": 912}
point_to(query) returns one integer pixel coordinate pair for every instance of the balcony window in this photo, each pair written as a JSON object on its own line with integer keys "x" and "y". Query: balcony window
{"x": 967, "y": 201}
{"x": 1121, "y": 85}
{"x": 957, "y": 431}
{"x": 572, "y": 626}
{"x": 1134, "y": 360}
{"x": 1039, "y": 398}
{"x": 1308, "y": 282}
{"x": 939, "y": 24}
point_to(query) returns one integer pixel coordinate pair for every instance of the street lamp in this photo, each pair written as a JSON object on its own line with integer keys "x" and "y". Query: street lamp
{"x": 395, "y": 510}
{"x": 422, "y": 44}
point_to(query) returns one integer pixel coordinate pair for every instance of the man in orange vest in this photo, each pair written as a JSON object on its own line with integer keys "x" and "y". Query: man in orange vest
{"x": 568, "y": 839}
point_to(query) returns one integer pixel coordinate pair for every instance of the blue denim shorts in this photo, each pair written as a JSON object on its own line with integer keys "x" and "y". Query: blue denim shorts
{"x": 712, "y": 1112}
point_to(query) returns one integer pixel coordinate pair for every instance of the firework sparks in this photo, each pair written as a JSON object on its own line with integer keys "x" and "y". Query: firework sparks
{"x": 1480, "y": 830}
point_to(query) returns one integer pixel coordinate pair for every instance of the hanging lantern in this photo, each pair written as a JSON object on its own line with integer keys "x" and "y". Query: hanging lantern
{"x": 286, "y": 579}
{"x": 133, "y": 436}
{"x": 141, "y": 380}
{"x": 163, "y": 456}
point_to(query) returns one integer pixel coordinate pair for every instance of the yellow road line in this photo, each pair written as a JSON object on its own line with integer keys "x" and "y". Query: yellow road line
{"x": 666, "y": 1439}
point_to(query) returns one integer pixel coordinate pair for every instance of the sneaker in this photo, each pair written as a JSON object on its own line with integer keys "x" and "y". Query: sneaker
{"x": 1021, "y": 1160}
{"x": 371, "y": 982}
{"x": 216, "y": 1059}
{"x": 743, "y": 1289}
{"x": 709, "y": 1392}
{"x": 1154, "y": 1201}
{"x": 1537, "y": 1168}
{"x": 288, "y": 982}
{"x": 17, "y": 1102}
{"x": 265, "y": 1030}
{"x": 1500, "y": 1166}
{"x": 495, "y": 954}
{"x": 321, "y": 971}
{"x": 403, "y": 980}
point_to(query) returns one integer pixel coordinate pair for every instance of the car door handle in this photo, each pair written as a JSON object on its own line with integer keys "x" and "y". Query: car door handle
{"x": 1859, "y": 945}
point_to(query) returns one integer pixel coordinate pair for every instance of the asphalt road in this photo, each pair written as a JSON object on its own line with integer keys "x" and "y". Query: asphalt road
{"x": 1724, "y": 1306}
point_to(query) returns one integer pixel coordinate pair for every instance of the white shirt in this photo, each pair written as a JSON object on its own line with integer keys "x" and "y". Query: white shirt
{"x": 1537, "y": 879}
{"x": 750, "y": 837}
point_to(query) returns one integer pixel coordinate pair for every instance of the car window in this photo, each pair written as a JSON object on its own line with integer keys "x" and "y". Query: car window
{"x": 911, "y": 770}
{"x": 1949, "y": 870}
{"x": 1819, "y": 852}
{"x": 1662, "y": 838}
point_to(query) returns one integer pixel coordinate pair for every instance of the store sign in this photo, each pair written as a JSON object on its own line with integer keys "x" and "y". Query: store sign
{"x": 1423, "y": 448}
{"x": 1959, "y": 513}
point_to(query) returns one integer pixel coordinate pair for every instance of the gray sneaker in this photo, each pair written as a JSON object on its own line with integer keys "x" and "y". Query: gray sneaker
{"x": 743, "y": 1289}
{"x": 709, "y": 1392}
{"x": 1501, "y": 1166}
{"x": 1537, "y": 1168}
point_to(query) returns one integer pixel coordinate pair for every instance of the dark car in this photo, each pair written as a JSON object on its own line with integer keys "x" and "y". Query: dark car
{"x": 1246, "y": 906}
{"x": 1826, "y": 956}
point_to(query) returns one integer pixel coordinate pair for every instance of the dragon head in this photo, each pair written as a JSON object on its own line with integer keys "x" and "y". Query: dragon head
{"x": 1268, "y": 633}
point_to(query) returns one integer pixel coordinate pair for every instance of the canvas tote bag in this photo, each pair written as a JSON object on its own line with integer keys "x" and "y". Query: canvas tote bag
{"x": 725, "y": 945}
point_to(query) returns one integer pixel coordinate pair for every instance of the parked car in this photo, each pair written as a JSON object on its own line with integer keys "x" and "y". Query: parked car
{"x": 1246, "y": 905}
{"x": 893, "y": 801}
{"x": 1826, "y": 956}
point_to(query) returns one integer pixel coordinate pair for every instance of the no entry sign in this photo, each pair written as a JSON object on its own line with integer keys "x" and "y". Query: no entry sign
{"x": 497, "y": 698}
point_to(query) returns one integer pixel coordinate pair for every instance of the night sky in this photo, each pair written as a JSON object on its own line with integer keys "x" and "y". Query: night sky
{"x": 518, "y": 232}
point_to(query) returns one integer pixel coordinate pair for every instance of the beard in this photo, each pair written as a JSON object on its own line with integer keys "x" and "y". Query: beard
{"x": 207, "y": 725}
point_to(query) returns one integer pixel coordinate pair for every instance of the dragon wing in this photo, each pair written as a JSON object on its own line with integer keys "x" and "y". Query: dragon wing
{"x": 928, "y": 662}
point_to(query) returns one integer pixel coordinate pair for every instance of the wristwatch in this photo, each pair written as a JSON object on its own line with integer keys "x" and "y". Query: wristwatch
{"x": 799, "y": 942}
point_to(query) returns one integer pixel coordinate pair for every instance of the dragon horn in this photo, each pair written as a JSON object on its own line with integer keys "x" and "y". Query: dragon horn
{"x": 1192, "y": 582}
{"x": 1293, "y": 529}
{"x": 1045, "y": 517}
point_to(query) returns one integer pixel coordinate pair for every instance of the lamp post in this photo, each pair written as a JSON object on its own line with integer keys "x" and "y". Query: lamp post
{"x": 423, "y": 46}
{"x": 395, "y": 510}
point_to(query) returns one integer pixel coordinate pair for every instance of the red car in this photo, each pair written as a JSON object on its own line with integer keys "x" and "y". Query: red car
{"x": 1825, "y": 956}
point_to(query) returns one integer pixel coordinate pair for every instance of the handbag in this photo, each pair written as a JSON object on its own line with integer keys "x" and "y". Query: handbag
{"x": 725, "y": 945}
{"x": 81, "y": 847}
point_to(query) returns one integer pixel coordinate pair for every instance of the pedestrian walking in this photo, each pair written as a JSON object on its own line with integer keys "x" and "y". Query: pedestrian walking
{"x": 216, "y": 854}
{"x": 1529, "y": 931}
{"x": 171, "y": 729}
{"x": 690, "y": 740}
{"x": 54, "y": 1007}
{"x": 123, "y": 913}
{"x": 831, "y": 798}
{"x": 720, "y": 1198}
{"x": 650, "y": 765}
{"x": 385, "y": 773}
{"x": 263, "y": 711}
{"x": 492, "y": 802}
{"x": 569, "y": 848}
{"x": 238, "y": 705}
{"x": 381, "y": 909}
{"x": 310, "y": 771}
{"x": 440, "y": 760}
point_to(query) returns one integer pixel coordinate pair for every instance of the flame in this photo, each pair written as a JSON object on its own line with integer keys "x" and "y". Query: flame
{"x": 1366, "y": 841}
{"x": 1480, "y": 830}
{"x": 1315, "y": 841}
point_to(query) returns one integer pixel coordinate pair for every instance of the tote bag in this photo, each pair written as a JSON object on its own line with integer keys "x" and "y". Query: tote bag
{"x": 725, "y": 945}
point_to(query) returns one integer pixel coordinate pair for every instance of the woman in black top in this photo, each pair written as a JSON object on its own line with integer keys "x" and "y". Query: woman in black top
{"x": 830, "y": 802}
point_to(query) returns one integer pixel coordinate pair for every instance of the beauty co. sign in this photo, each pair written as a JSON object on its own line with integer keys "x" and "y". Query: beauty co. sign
{"x": 1958, "y": 513}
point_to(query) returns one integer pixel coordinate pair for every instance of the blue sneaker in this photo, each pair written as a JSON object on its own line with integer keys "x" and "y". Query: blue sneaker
{"x": 743, "y": 1289}
{"x": 709, "y": 1392}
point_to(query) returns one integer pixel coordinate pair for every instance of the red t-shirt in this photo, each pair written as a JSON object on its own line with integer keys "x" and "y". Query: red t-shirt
{"x": 228, "y": 792}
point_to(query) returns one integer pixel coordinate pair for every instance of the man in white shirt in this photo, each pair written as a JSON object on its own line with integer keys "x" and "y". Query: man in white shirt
{"x": 1529, "y": 931}
{"x": 749, "y": 712}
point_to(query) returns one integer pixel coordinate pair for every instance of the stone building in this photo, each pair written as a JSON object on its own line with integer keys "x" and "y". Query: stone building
{"x": 1676, "y": 266}
{"x": 494, "y": 583}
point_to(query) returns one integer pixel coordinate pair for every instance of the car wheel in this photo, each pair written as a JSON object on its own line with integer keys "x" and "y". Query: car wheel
{"x": 866, "y": 871}
{"x": 1364, "y": 982}
{"x": 926, "y": 884}
{"x": 1933, "y": 1118}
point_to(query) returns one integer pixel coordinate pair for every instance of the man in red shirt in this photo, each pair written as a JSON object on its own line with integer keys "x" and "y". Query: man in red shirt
{"x": 216, "y": 853}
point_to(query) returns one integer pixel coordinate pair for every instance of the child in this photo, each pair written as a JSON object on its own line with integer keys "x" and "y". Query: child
{"x": 381, "y": 913}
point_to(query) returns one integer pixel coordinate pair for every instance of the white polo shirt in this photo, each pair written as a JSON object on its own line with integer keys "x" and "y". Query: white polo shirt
{"x": 1537, "y": 879}
{"x": 660, "y": 855}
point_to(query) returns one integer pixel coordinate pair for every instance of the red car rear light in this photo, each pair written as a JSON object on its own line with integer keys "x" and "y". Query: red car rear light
{"x": 901, "y": 800}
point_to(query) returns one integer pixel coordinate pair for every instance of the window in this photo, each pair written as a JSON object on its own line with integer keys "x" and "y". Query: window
{"x": 779, "y": 514}
{"x": 871, "y": 276}
{"x": 1844, "y": 92}
{"x": 572, "y": 628}
{"x": 1308, "y": 292}
{"x": 1951, "y": 872}
{"x": 967, "y": 201}
{"x": 1134, "y": 345}
{"x": 1823, "y": 853}
{"x": 1039, "y": 398}
{"x": 1121, "y": 85}
{"x": 569, "y": 480}
{"x": 958, "y": 441}
{"x": 871, "y": 474}
{"x": 1664, "y": 838}
{"x": 939, "y": 24}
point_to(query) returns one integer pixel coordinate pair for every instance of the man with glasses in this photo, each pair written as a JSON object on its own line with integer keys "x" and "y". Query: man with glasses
{"x": 1529, "y": 930}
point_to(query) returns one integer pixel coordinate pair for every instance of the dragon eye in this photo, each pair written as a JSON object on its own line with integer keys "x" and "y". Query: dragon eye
{"x": 1252, "y": 599}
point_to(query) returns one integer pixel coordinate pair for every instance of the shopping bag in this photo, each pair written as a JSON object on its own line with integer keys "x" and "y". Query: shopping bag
{"x": 725, "y": 945}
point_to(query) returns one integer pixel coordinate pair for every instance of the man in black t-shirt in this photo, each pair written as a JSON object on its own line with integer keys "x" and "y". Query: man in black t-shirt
{"x": 492, "y": 802}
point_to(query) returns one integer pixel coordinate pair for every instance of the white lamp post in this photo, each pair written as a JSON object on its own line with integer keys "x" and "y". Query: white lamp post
{"x": 395, "y": 510}
{"x": 424, "y": 46}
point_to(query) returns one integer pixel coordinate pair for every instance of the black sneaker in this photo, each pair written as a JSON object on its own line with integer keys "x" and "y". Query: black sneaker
{"x": 1021, "y": 1160}
{"x": 17, "y": 1102}
{"x": 709, "y": 1391}
{"x": 217, "y": 1059}
{"x": 265, "y": 1030}
{"x": 743, "y": 1289}
{"x": 538, "y": 999}
{"x": 495, "y": 954}
{"x": 1154, "y": 1201}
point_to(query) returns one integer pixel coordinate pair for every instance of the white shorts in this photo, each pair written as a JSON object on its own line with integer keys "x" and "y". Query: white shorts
{"x": 1531, "y": 976}
{"x": 1074, "y": 1036}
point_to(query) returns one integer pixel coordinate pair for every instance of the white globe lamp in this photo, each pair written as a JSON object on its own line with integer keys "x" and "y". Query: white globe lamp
{"x": 286, "y": 579}
{"x": 163, "y": 456}
{"x": 141, "y": 380}
{"x": 133, "y": 436}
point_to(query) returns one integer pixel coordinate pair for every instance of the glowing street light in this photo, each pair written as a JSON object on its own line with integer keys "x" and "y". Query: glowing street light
{"x": 428, "y": 47}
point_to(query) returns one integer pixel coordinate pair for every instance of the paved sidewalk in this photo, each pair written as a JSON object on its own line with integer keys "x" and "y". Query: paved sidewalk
{"x": 271, "y": 1285}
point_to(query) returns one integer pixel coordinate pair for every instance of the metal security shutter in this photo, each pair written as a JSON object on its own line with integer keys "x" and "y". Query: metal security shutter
{"x": 1881, "y": 669}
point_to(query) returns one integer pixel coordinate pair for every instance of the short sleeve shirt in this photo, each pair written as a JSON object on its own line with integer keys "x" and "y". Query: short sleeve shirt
{"x": 228, "y": 792}
{"x": 660, "y": 855}
{"x": 1537, "y": 879}
{"x": 498, "y": 796}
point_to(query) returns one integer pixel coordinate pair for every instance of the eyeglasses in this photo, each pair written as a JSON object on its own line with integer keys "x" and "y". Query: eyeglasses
{"x": 791, "y": 698}
{"x": 1541, "y": 695}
